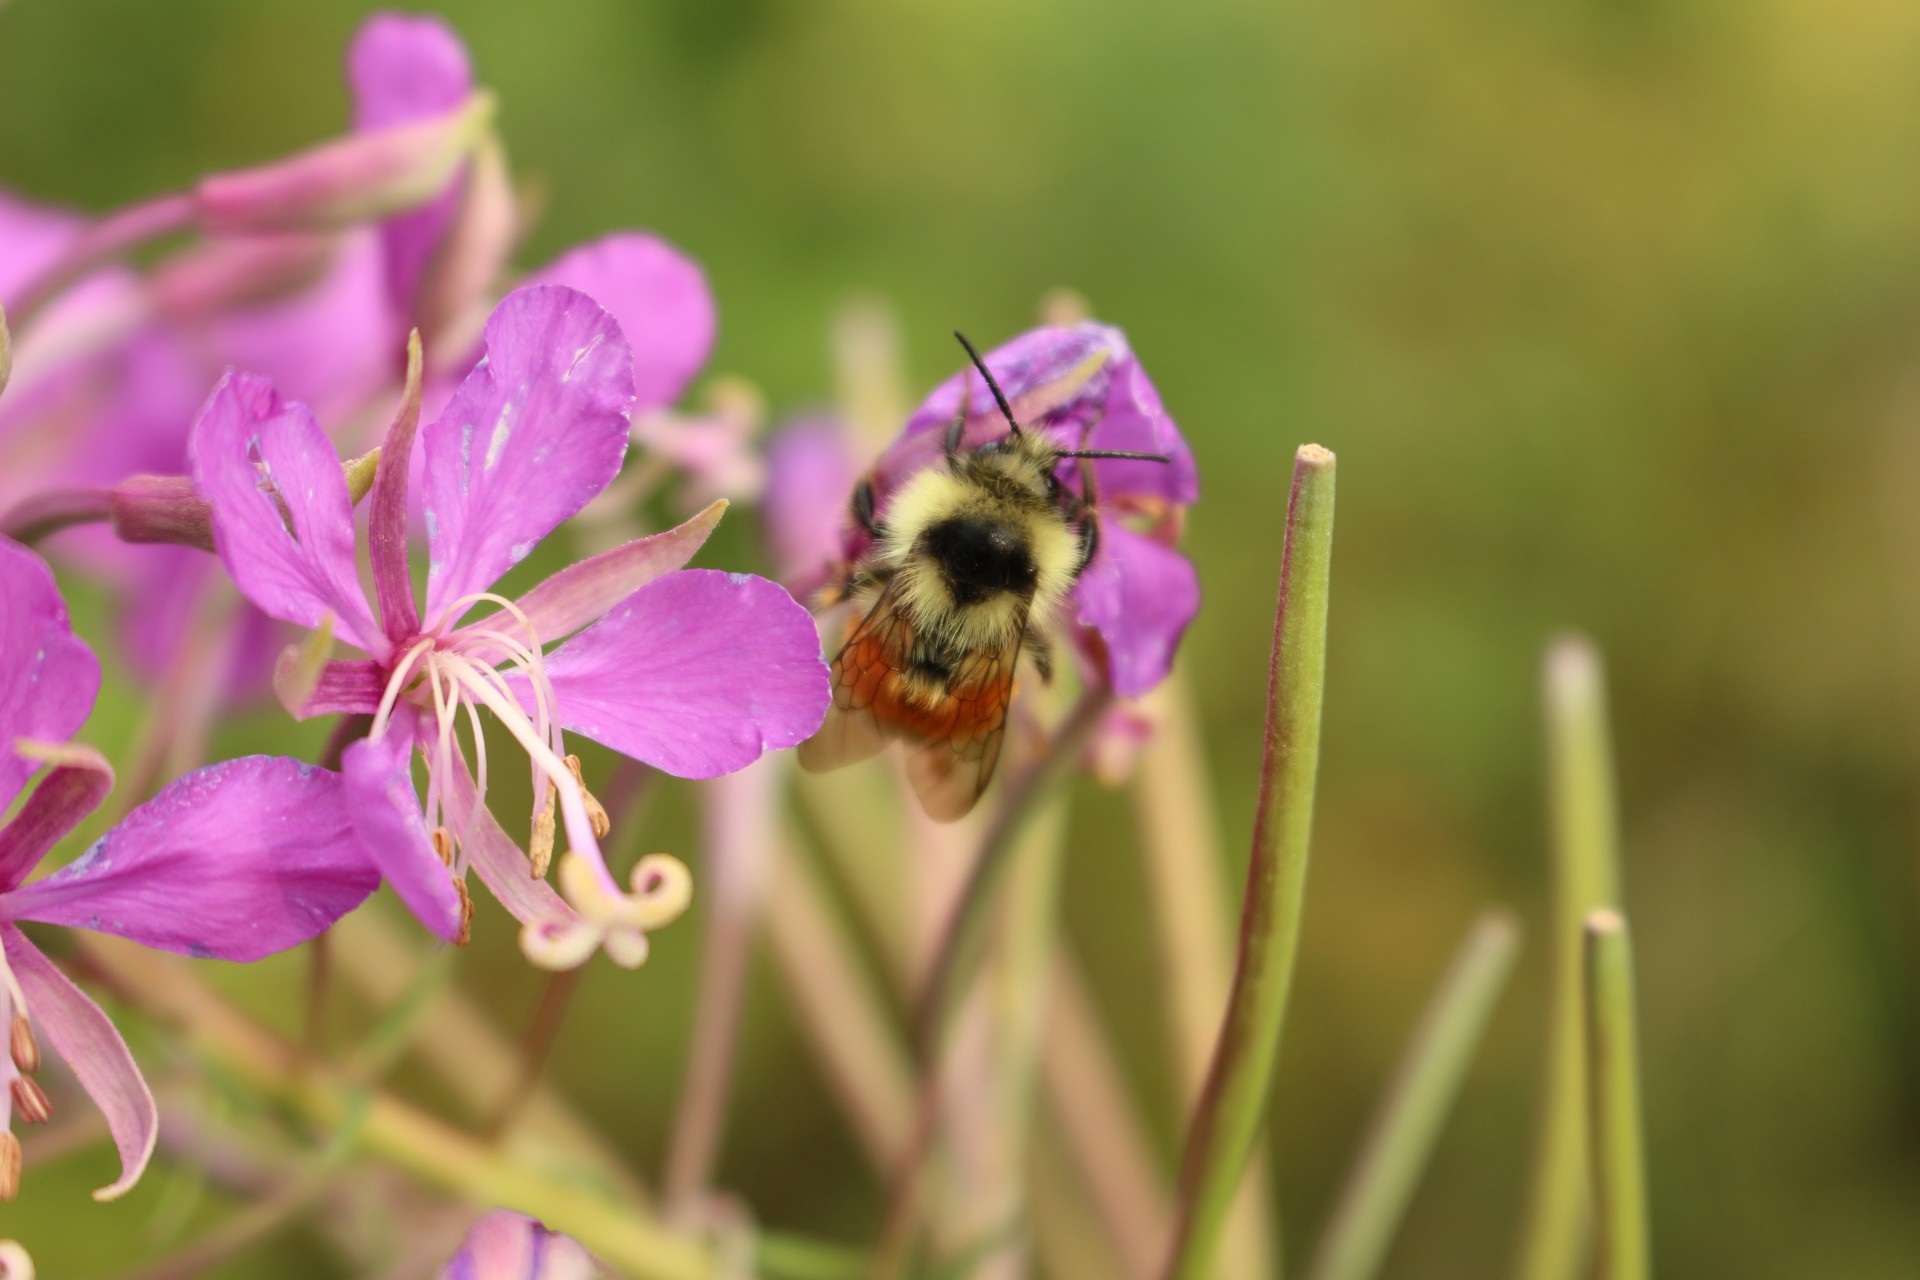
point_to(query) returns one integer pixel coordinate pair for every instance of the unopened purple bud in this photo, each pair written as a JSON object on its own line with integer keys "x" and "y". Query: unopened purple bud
{"x": 358, "y": 178}
{"x": 240, "y": 272}
{"x": 162, "y": 509}
{"x": 454, "y": 291}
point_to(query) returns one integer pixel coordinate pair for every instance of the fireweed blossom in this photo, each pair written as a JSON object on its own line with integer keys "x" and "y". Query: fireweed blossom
{"x": 511, "y": 1246}
{"x": 236, "y": 861}
{"x": 693, "y": 672}
{"x": 309, "y": 271}
{"x": 1083, "y": 386}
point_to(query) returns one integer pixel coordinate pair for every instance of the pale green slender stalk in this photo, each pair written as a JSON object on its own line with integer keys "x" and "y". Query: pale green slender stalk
{"x": 6, "y": 351}
{"x": 1187, "y": 899}
{"x": 1619, "y": 1167}
{"x": 957, "y": 958}
{"x": 1585, "y": 877}
{"x": 845, "y": 1020}
{"x": 955, "y": 964}
{"x": 1110, "y": 1148}
{"x": 384, "y": 1126}
{"x": 738, "y": 813}
{"x": 470, "y": 1058}
{"x": 1227, "y": 1120}
{"x": 865, "y": 855}
{"x": 1402, "y": 1136}
{"x": 987, "y": 1119}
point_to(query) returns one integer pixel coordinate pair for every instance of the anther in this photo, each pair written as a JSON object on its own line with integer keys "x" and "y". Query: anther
{"x": 26, "y": 1049}
{"x": 596, "y": 812}
{"x": 31, "y": 1101}
{"x": 443, "y": 844}
{"x": 9, "y": 1166}
{"x": 466, "y": 914}
{"x": 540, "y": 848}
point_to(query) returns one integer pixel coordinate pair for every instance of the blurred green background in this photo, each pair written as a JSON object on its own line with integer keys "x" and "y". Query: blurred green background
{"x": 1610, "y": 309}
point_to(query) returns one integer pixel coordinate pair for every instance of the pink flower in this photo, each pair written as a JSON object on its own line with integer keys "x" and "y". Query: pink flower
{"x": 511, "y": 1246}
{"x": 694, "y": 672}
{"x": 236, "y": 861}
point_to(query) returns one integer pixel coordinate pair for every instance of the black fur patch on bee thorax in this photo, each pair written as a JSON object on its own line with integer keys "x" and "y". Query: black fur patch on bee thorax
{"x": 979, "y": 557}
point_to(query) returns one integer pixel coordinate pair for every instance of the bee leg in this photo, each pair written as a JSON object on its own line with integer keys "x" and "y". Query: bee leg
{"x": 1089, "y": 539}
{"x": 863, "y": 509}
{"x": 1040, "y": 649}
{"x": 955, "y": 430}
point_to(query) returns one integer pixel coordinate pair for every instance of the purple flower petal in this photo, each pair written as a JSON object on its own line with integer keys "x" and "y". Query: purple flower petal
{"x": 393, "y": 834}
{"x": 536, "y": 430}
{"x": 80, "y": 780}
{"x": 1134, "y": 420}
{"x": 236, "y": 861}
{"x": 1139, "y": 596}
{"x": 48, "y": 676}
{"x": 511, "y": 1246}
{"x": 698, "y": 673}
{"x": 661, "y": 300}
{"x": 387, "y": 511}
{"x": 811, "y": 469}
{"x": 330, "y": 346}
{"x": 1069, "y": 382}
{"x": 86, "y": 1041}
{"x": 300, "y": 576}
{"x": 345, "y": 687}
{"x": 583, "y": 591}
{"x": 404, "y": 69}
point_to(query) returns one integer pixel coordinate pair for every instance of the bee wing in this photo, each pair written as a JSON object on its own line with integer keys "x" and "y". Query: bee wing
{"x": 868, "y": 664}
{"x": 949, "y": 771}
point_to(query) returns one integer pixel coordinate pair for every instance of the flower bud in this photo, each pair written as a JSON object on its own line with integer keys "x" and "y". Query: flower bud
{"x": 453, "y": 298}
{"x": 359, "y": 178}
{"x": 239, "y": 272}
{"x": 14, "y": 1262}
{"x": 162, "y": 509}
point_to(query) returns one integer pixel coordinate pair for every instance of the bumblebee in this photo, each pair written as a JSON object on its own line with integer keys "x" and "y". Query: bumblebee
{"x": 965, "y": 573}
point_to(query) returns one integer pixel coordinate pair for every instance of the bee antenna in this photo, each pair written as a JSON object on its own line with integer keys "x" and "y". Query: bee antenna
{"x": 1115, "y": 453}
{"x": 999, "y": 397}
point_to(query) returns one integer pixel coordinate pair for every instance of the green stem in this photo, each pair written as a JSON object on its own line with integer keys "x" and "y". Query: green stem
{"x": 386, "y": 1127}
{"x": 956, "y": 962}
{"x": 987, "y": 1120}
{"x": 1619, "y": 1168}
{"x": 958, "y": 957}
{"x": 854, "y": 1038}
{"x": 1187, "y": 894}
{"x": 1401, "y": 1139}
{"x": 1585, "y": 878}
{"x": 1227, "y": 1119}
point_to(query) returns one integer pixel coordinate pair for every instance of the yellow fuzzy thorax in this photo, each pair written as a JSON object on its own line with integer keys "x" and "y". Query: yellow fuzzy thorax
{"x": 1008, "y": 488}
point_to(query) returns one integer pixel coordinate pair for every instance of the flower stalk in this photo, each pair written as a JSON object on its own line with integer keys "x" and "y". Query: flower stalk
{"x": 1585, "y": 879}
{"x": 1228, "y": 1118}
{"x": 1402, "y": 1136}
{"x": 392, "y": 1130}
{"x": 1619, "y": 1166}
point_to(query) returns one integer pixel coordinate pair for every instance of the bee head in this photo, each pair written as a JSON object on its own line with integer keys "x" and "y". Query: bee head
{"x": 1027, "y": 458}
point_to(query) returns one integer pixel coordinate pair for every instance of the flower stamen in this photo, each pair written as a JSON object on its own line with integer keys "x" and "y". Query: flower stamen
{"x": 596, "y": 812}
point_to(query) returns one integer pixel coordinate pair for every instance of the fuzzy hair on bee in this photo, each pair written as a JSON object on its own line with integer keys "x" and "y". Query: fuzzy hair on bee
{"x": 967, "y": 571}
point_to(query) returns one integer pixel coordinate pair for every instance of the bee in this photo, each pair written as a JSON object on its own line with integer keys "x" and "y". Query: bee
{"x": 965, "y": 573}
